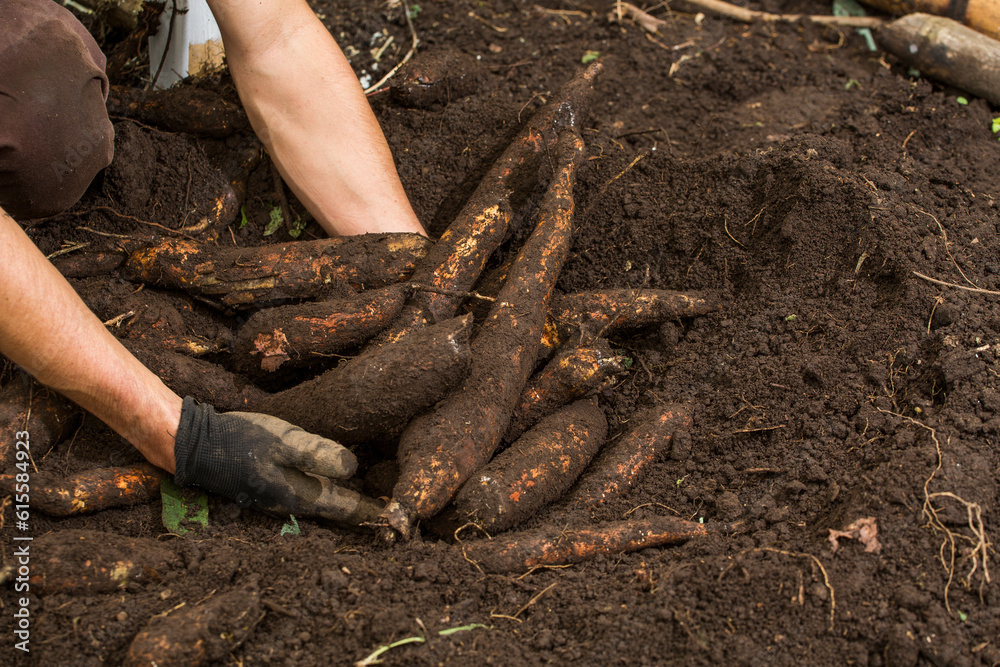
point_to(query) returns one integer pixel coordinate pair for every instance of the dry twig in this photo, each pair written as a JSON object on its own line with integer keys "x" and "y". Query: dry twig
{"x": 409, "y": 54}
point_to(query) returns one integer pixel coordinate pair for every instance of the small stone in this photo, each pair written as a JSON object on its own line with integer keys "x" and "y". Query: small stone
{"x": 680, "y": 447}
{"x": 901, "y": 648}
{"x": 728, "y": 505}
{"x": 426, "y": 571}
{"x": 332, "y": 579}
{"x": 121, "y": 616}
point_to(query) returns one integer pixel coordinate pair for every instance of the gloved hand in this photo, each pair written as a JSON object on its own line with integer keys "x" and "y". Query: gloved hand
{"x": 261, "y": 462}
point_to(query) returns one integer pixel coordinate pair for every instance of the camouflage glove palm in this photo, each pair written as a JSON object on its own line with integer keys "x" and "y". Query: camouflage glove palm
{"x": 262, "y": 462}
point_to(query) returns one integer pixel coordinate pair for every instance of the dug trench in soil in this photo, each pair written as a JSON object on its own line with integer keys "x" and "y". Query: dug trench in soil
{"x": 804, "y": 175}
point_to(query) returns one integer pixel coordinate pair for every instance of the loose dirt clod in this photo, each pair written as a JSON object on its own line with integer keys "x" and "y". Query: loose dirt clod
{"x": 197, "y": 634}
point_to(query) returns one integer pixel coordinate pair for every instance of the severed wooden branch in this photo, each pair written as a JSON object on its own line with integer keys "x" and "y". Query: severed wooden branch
{"x": 652, "y": 24}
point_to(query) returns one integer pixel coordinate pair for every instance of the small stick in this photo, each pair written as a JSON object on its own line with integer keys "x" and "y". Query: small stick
{"x": 826, "y": 577}
{"x": 944, "y": 235}
{"x": 749, "y": 15}
{"x": 947, "y": 284}
{"x": 73, "y": 247}
{"x": 409, "y": 54}
{"x": 535, "y": 599}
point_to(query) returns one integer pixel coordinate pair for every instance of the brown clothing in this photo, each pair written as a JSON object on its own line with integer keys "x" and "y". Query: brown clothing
{"x": 54, "y": 129}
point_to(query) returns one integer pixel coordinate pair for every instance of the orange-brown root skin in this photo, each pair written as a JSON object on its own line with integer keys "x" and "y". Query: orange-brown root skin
{"x": 560, "y": 547}
{"x": 293, "y": 336}
{"x": 534, "y": 471}
{"x": 456, "y": 261}
{"x": 241, "y": 277}
{"x": 609, "y": 312}
{"x": 572, "y": 374}
{"x": 442, "y": 448}
{"x": 623, "y": 463}
{"x": 90, "y": 491}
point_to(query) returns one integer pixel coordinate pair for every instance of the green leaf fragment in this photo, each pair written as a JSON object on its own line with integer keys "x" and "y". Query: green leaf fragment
{"x": 297, "y": 228}
{"x": 373, "y": 657}
{"x": 590, "y": 56}
{"x": 276, "y": 221}
{"x": 961, "y": 100}
{"x": 790, "y": 318}
{"x": 243, "y": 216}
{"x": 996, "y": 125}
{"x": 291, "y": 528}
{"x": 854, "y": 8}
{"x": 182, "y": 508}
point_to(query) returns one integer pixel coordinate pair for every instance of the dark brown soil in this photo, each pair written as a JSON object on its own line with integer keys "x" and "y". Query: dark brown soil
{"x": 804, "y": 177}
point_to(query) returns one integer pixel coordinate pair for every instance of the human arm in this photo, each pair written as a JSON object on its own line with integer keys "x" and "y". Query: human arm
{"x": 309, "y": 110}
{"x": 46, "y": 329}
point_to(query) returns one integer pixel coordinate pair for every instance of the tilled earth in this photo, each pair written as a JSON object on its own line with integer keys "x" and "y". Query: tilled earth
{"x": 808, "y": 179}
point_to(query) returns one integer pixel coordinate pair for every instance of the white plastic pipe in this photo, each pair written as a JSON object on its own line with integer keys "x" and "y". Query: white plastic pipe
{"x": 194, "y": 45}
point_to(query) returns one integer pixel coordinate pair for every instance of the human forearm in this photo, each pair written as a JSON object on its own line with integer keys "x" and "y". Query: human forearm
{"x": 46, "y": 329}
{"x": 308, "y": 108}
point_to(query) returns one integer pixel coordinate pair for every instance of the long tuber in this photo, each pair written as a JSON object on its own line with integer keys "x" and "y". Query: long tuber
{"x": 457, "y": 259}
{"x": 534, "y": 471}
{"x": 43, "y": 417}
{"x": 292, "y": 336}
{"x": 440, "y": 449}
{"x": 586, "y": 315}
{"x": 622, "y": 463}
{"x": 244, "y": 277}
{"x": 376, "y": 393}
{"x": 90, "y": 561}
{"x": 561, "y": 546}
{"x": 201, "y": 379}
{"x": 572, "y": 374}
{"x": 90, "y": 491}
{"x": 197, "y": 634}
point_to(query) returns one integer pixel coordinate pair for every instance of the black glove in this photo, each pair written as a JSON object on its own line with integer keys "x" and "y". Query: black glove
{"x": 261, "y": 462}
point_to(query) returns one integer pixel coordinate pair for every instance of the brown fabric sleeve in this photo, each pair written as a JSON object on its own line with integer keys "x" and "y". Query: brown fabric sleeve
{"x": 55, "y": 134}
